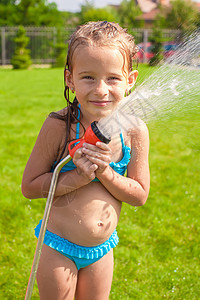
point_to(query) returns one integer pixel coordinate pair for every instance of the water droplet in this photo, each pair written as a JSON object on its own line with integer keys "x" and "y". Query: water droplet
{"x": 80, "y": 221}
{"x": 100, "y": 223}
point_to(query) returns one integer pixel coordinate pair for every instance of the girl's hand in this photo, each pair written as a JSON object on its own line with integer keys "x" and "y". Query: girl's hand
{"x": 85, "y": 167}
{"x": 99, "y": 154}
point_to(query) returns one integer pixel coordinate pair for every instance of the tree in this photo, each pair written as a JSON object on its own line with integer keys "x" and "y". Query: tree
{"x": 7, "y": 2}
{"x": 70, "y": 19}
{"x": 8, "y": 15}
{"x": 182, "y": 15}
{"x": 129, "y": 12}
{"x": 99, "y": 14}
{"x": 157, "y": 49}
{"x": 47, "y": 14}
{"x": 90, "y": 13}
{"x": 88, "y": 5}
{"x": 21, "y": 58}
{"x": 60, "y": 50}
{"x": 29, "y": 12}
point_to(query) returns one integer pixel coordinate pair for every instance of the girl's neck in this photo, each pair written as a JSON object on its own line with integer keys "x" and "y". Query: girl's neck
{"x": 87, "y": 119}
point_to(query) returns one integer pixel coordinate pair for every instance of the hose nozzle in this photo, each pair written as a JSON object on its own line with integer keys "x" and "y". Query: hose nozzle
{"x": 91, "y": 136}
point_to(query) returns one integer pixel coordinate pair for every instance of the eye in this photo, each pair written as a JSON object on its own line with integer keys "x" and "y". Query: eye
{"x": 88, "y": 77}
{"x": 114, "y": 78}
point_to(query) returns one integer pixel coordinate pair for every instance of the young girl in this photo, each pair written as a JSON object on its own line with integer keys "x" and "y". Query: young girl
{"x": 77, "y": 255}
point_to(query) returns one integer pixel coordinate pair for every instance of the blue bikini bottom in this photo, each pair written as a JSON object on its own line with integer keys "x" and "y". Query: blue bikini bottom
{"x": 80, "y": 255}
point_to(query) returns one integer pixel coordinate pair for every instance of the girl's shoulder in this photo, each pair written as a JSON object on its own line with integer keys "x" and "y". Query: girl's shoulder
{"x": 139, "y": 128}
{"x": 138, "y": 131}
{"x": 54, "y": 127}
{"x": 55, "y": 121}
{"x": 62, "y": 112}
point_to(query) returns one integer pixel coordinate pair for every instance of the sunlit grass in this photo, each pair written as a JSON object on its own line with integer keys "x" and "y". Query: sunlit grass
{"x": 158, "y": 253}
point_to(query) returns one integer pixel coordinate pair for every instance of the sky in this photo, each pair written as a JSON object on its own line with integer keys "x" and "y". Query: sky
{"x": 75, "y": 5}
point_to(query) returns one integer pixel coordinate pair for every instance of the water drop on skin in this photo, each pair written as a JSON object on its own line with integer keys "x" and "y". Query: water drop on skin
{"x": 100, "y": 223}
{"x": 80, "y": 221}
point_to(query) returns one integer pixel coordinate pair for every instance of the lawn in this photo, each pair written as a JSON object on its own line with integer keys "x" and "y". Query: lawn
{"x": 158, "y": 254}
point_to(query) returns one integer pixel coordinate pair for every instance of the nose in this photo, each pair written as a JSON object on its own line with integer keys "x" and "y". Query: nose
{"x": 101, "y": 88}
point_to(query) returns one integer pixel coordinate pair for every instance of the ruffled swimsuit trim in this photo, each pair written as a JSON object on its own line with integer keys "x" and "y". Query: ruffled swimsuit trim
{"x": 66, "y": 247}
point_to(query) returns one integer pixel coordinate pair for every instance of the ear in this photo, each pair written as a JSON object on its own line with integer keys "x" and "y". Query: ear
{"x": 132, "y": 77}
{"x": 69, "y": 80}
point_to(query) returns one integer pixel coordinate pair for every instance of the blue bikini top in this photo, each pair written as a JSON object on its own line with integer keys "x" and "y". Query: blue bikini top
{"x": 119, "y": 167}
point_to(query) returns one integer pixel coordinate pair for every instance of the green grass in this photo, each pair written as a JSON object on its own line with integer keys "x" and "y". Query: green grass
{"x": 158, "y": 253}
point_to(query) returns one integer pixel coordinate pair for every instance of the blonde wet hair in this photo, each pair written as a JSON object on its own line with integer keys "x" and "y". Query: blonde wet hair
{"x": 100, "y": 34}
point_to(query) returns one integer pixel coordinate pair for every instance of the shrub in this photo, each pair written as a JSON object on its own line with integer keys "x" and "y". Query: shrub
{"x": 21, "y": 58}
{"x": 156, "y": 39}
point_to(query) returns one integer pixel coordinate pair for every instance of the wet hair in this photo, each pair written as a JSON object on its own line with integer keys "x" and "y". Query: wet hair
{"x": 98, "y": 34}
{"x": 103, "y": 34}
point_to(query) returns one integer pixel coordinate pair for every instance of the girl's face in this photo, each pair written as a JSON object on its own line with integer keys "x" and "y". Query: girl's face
{"x": 100, "y": 80}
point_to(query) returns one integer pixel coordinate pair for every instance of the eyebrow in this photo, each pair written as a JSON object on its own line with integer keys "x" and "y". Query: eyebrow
{"x": 85, "y": 72}
{"x": 92, "y": 72}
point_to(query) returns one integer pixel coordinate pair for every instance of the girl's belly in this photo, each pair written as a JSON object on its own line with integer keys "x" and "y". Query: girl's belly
{"x": 86, "y": 217}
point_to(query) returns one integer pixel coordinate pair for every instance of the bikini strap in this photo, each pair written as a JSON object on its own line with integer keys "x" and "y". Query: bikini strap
{"x": 78, "y": 124}
{"x": 121, "y": 134}
{"x": 122, "y": 140}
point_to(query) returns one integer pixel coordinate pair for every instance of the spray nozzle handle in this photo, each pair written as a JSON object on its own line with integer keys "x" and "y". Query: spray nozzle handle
{"x": 72, "y": 148}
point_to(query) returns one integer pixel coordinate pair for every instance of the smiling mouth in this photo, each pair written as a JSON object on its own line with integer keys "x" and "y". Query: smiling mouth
{"x": 100, "y": 103}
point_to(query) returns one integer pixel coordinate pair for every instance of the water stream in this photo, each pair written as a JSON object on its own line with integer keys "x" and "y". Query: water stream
{"x": 173, "y": 87}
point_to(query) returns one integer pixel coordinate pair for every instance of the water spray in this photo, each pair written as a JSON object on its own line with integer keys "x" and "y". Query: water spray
{"x": 91, "y": 136}
{"x": 173, "y": 87}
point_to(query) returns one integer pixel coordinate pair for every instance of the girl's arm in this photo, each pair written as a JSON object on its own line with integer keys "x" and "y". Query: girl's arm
{"x": 134, "y": 188}
{"x": 37, "y": 174}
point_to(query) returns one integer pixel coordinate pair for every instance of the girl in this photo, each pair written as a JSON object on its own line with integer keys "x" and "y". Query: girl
{"x": 77, "y": 255}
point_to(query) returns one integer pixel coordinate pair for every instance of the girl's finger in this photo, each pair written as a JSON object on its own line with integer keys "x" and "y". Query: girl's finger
{"x": 99, "y": 145}
{"x": 97, "y": 155}
{"x": 103, "y": 146}
{"x": 96, "y": 152}
{"x": 100, "y": 163}
{"x": 93, "y": 168}
{"x": 78, "y": 154}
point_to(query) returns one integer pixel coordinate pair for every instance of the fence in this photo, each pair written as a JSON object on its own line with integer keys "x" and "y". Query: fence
{"x": 43, "y": 41}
